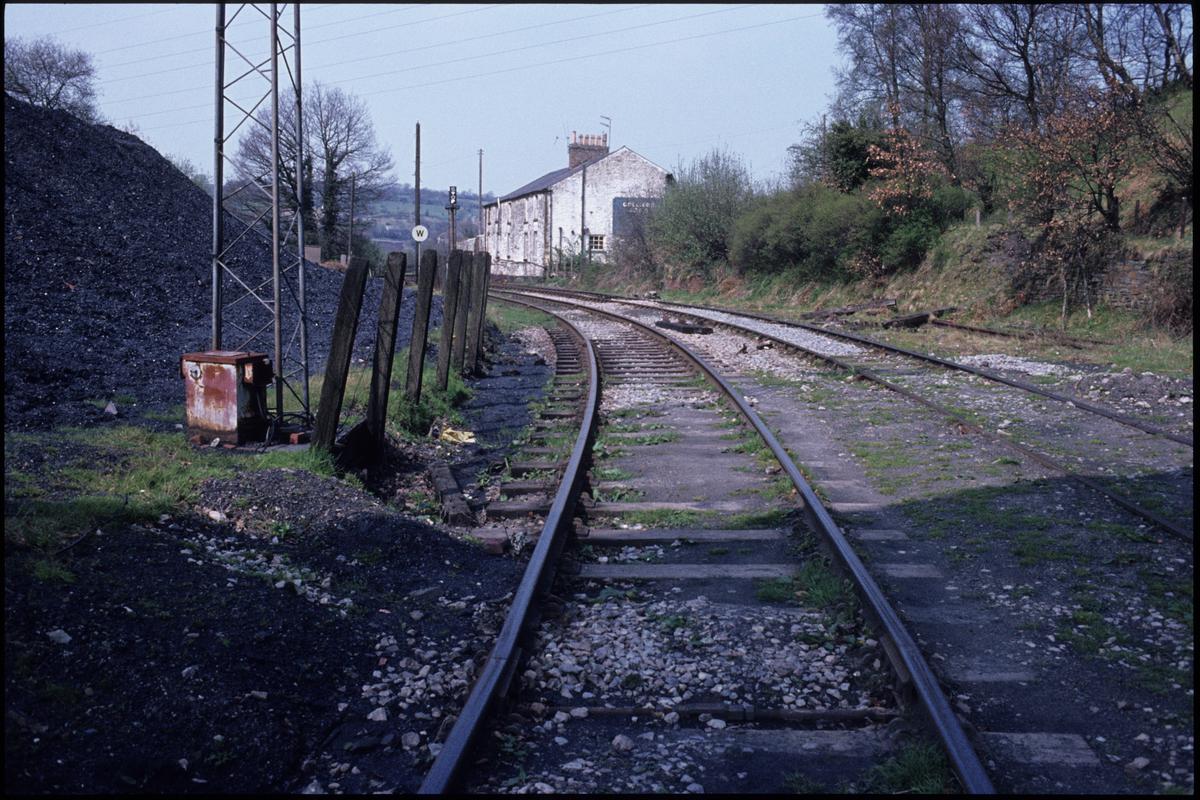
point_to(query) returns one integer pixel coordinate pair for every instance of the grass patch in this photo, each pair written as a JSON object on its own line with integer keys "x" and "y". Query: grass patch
{"x": 47, "y": 570}
{"x": 773, "y": 518}
{"x": 611, "y": 474}
{"x": 122, "y": 474}
{"x": 509, "y": 318}
{"x": 919, "y": 768}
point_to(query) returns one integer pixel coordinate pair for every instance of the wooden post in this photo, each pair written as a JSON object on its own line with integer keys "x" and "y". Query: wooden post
{"x": 462, "y": 312}
{"x": 420, "y": 329}
{"x": 471, "y": 353}
{"x": 449, "y": 306}
{"x": 385, "y": 346}
{"x": 475, "y": 321}
{"x": 337, "y": 367}
{"x": 483, "y": 310}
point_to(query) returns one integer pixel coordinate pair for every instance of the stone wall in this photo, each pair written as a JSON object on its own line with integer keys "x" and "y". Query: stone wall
{"x": 1138, "y": 285}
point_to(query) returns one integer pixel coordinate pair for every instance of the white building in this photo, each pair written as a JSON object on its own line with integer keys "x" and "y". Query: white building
{"x": 589, "y": 204}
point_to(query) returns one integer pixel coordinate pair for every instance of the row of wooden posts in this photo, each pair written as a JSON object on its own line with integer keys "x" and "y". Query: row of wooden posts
{"x": 468, "y": 276}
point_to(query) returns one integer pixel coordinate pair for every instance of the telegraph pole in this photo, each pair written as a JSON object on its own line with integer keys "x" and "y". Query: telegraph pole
{"x": 417, "y": 193}
{"x": 480, "y": 195}
{"x": 350, "y": 232}
{"x": 452, "y": 208}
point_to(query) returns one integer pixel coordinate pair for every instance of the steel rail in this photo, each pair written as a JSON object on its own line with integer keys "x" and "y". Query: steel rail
{"x": 1034, "y": 455}
{"x": 1069, "y": 400}
{"x": 905, "y": 653}
{"x": 502, "y": 662}
{"x": 1071, "y": 341}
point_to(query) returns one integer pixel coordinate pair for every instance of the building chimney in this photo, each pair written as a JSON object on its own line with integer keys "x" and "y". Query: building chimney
{"x": 586, "y": 147}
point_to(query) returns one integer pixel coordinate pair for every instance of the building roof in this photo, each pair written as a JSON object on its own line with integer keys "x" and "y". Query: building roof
{"x": 550, "y": 178}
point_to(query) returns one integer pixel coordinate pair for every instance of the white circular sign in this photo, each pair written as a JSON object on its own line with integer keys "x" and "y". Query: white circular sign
{"x": 420, "y": 233}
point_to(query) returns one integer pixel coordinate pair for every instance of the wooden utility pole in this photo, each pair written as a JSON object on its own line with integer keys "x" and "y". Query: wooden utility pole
{"x": 350, "y": 231}
{"x": 417, "y": 192}
{"x": 480, "y": 195}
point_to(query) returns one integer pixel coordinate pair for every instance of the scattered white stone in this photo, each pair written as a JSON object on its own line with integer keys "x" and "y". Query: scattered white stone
{"x": 622, "y": 743}
{"x": 378, "y": 715}
{"x": 59, "y": 636}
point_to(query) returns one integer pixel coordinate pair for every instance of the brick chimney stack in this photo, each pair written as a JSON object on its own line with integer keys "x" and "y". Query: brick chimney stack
{"x": 586, "y": 147}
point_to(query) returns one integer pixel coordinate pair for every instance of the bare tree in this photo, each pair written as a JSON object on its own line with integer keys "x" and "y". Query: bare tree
{"x": 1020, "y": 59}
{"x": 46, "y": 73}
{"x": 344, "y": 145}
{"x": 339, "y": 142}
{"x": 872, "y": 34}
{"x": 1140, "y": 46}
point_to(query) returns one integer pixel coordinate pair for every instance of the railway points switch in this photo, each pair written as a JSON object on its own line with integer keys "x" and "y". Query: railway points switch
{"x": 227, "y": 394}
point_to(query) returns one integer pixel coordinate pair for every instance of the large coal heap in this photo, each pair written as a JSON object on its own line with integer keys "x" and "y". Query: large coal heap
{"x": 107, "y": 272}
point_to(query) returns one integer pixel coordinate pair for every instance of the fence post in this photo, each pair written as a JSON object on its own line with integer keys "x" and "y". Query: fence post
{"x": 471, "y": 354}
{"x": 462, "y": 312}
{"x": 449, "y": 307}
{"x": 478, "y": 304}
{"x": 337, "y": 367}
{"x": 483, "y": 307}
{"x": 385, "y": 346}
{"x": 420, "y": 329}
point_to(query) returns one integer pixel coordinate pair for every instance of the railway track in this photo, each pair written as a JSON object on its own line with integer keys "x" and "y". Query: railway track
{"x": 1071, "y": 438}
{"x": 701, "y": 634}
{"x": 977, "y": 640}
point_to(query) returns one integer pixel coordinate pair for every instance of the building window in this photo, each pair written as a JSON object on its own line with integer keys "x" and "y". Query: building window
{"x": 595, "y": 243}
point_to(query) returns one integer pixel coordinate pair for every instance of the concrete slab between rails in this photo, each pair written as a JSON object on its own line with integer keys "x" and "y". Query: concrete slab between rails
{"x": 877, "y": 534}
{"x": 683, "y": 435}
{"x": 1058, "y": 749}
{"x": 668, "y": 535}
{"x": 976, "y": 669}
{"x": 725, "y": 506}
{"x": 909, "y": 570}
{"x": 845, "y": 486}
{"x": 949, "y": 614}
{"x": 855, "y": 508}
{"x": 685, "y": 571}
{"x": 865, "y": 742}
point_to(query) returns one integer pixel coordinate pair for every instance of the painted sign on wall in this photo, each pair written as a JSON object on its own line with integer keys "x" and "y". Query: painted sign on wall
{"x": 629, "y": 213}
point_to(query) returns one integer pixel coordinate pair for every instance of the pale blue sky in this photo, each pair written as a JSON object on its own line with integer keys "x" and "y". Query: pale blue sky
{"x": 677, "y": 80}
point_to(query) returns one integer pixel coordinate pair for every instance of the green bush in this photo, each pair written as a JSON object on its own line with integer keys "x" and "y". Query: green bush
{"x": 811, "y": 231}
{"x": 905, "y": 246}
{"x": 694, "y": 223}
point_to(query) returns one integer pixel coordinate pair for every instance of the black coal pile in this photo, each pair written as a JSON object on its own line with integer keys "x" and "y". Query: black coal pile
{"x": 107, "y": 273}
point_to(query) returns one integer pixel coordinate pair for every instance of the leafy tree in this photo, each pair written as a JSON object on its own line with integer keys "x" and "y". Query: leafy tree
{"x": 1073, "y": 165}
{"x": 48, "y": 74}
{"x": 693, "y": 225}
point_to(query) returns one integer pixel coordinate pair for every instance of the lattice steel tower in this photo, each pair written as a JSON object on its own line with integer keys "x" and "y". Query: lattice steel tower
{"x": 268, "y": 204}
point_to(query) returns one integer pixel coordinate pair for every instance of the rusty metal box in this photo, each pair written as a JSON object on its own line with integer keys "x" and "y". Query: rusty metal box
{"x": 227, "y": 394}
